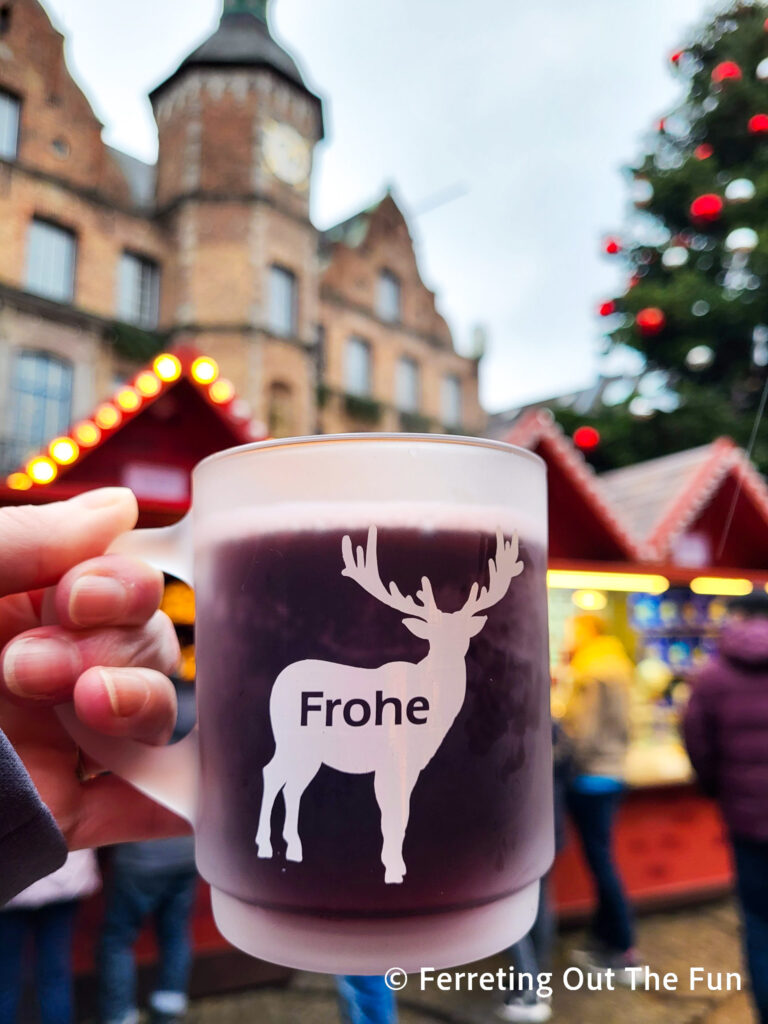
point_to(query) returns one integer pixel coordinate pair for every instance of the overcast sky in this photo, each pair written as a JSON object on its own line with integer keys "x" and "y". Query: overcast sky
{"x": 525, "y": 112}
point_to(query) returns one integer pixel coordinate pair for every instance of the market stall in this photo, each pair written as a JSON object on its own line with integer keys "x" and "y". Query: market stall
{"x": 657, "y": 565}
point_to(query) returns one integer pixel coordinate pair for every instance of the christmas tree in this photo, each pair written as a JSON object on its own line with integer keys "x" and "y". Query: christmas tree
{"x": 696, "y": 249}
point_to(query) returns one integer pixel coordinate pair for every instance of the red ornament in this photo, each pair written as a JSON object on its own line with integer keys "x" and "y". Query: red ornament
{"x": 758, "y": 124}
{"x": 703, "y": 152}
{"x": 727, "y": 69}
{"x": 661, "y": 124}
{"x": 607, "y": 308}
{"x": 586, "y": 438}
{"x": 650, "y": 321}
{"x": 707, "y": 207}
{"x": 612, "y": 246}
{"x": 675, "y": 57}
{"x": 765, "y": 24}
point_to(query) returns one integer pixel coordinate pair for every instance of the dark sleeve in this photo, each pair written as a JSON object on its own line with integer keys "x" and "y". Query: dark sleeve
{"x": 700, "y": 734}
{"x": 31, "y": 845}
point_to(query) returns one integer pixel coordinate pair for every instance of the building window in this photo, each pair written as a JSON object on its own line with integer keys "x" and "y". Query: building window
{"x": 450, "y": 400}
{"x": 357, "y": 367}
{"x": 41, "y": 400}
{"x": 282, "y": 301}
{"x": 10, "y": 109}
{"x": 51, "y": 254}
{"x": 280, "y": 410}
{"x": 388, "y": 296}
{"x": 408, "y": 385}
{"x": 138, "y": 299}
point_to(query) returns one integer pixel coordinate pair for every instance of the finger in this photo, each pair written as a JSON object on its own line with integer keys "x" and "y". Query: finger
{"x": 115, "y": 812}
{"x": 109, "y": 591}
{"x": 44, "y": 664}
{"x": 130, "y": 702}
{"x": 39, "y": 543}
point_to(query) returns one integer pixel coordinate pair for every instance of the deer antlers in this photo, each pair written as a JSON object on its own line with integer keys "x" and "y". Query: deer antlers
{"x": 501, "y": 571}
{"x": 364, "y": 570}
{"x": 362, "y": 567}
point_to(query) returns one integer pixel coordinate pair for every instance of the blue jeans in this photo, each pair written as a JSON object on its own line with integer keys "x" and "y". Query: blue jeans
{"x": 751, "y": 859}
{"x": 533, "y": 953}
{"x": 50, "y": 928}
{"x": 132, "y": 897}
{"x": 593, "y": 815}
{"x": 365, "y": 1000}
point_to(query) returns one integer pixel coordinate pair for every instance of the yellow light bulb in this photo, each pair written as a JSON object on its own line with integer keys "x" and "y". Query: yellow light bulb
{"x": 222, "y": 391}
{"x": 64, "y": 451}
{"x": 107, "y": 416}
{"x": 205, "y": 370}
{"x": 147, "y": 384}
{"x": 128, "y": 400}
{"x": 42, "y": 470}
{"x": 167, "y": 367}
{"x": 589, "y": 600}
{"x": 19, "y": 482}
{"x": 87, "y": 434}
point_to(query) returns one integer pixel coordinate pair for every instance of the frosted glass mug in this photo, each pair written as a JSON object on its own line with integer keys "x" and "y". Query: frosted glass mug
{"x": 370, "y": 783}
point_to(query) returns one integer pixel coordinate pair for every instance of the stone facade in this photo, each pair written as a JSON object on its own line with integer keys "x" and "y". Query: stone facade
{"x": 226, "y": 204}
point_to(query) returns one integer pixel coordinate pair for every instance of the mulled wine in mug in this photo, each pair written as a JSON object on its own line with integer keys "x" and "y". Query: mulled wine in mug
{"x": 370, "y": 783}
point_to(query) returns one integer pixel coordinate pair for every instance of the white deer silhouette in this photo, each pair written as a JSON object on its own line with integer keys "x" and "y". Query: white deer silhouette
{"x": 389, "y": 720}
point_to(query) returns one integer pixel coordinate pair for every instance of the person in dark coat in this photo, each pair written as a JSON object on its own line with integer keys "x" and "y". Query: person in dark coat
{"x": 726, "y": 733}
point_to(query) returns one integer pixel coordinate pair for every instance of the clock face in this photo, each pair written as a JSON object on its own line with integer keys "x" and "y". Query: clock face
{"x": 286, "y": 153}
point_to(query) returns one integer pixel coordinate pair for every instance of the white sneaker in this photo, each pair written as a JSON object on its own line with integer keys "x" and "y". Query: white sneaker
{"x": 525, "y": 1013}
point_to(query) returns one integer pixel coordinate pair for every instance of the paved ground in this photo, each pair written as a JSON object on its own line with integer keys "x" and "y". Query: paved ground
{"x": 705, "y": 937}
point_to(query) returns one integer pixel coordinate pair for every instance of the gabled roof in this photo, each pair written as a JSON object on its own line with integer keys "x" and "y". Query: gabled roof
{"x": 354, "y": 230}
{"x": 644, "y": 491}
{"x": 698, "y": 490}
{"x": 583, "y": 523}
{"x": 175, "y": 412}
{"x": 139, "y": 175}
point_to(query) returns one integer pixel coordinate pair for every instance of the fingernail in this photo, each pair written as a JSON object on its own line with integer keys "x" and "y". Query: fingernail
{"x": 127, "y": 693}
{"x": 104, "y": 497}
{"x": 39, "y": 667}
{"x": 96, "y": 600}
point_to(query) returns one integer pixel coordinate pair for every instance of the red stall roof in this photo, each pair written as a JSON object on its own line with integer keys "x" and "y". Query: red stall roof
{"x": 707, "y": 506}
{"x": 148, "y": 437}
{"x": 583, "y": 522}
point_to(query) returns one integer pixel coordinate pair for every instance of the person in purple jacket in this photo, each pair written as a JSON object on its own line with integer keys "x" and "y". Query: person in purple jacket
{"x": 726, "y": 733}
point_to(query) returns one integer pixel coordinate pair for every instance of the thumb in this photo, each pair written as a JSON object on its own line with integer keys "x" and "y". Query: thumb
{"x": 39, "y": 543}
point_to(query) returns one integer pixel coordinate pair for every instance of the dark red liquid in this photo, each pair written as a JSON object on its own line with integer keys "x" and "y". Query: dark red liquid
{"x": 481, "y": 811}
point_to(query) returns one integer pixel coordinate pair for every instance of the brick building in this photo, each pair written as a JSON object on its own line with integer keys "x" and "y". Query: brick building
{"x": 105, "y": 260}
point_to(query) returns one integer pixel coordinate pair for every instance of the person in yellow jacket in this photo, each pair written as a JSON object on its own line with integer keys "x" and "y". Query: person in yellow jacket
{"x": 596, "y": 721}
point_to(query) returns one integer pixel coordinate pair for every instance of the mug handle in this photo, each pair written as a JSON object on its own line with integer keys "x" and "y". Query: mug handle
{"x": 166, "y": 774}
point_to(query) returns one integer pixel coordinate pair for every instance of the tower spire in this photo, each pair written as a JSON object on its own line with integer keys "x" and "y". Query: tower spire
{"x": 258, "y": 8}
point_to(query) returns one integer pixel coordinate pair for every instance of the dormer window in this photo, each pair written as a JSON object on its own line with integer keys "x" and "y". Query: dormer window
{"x": 388, "y": 297}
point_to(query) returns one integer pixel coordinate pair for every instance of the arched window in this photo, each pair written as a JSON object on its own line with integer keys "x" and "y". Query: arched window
{"x": 40, "y": 401}
{"x": 280, "y": 410}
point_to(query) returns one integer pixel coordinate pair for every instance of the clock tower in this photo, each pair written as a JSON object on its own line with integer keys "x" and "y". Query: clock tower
{"x": 237, "y": 130}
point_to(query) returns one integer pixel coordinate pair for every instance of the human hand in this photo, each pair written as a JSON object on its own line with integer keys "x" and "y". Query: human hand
{"x": 75, "y": 624}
